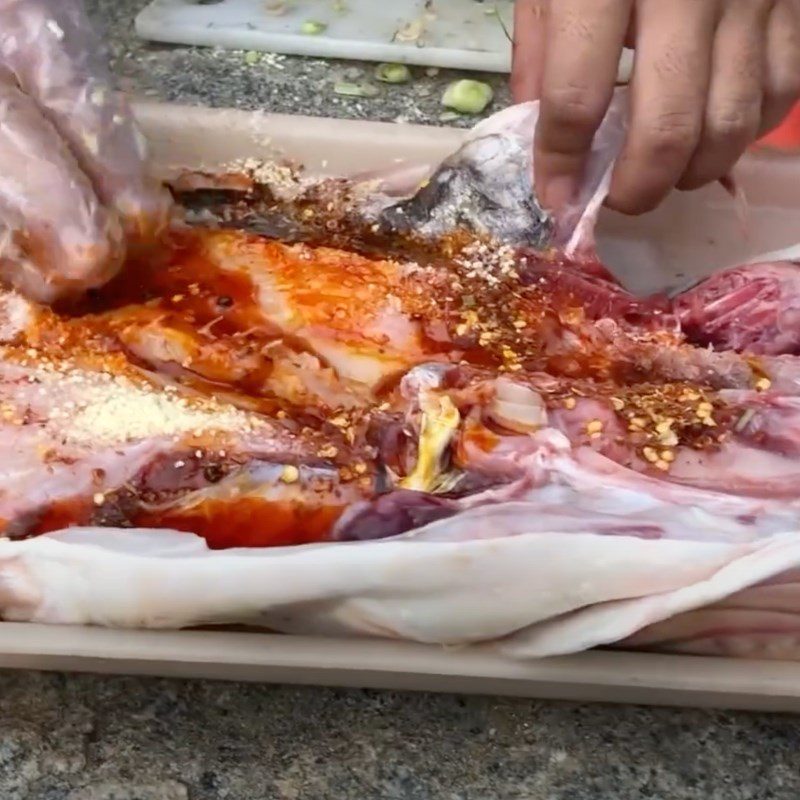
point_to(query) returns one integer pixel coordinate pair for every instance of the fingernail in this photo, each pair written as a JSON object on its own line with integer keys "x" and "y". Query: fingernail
{"x": 558, "y": 192}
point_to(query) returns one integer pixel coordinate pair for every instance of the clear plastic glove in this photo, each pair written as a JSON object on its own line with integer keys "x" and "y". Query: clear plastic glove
{"x": 73, "y": 188}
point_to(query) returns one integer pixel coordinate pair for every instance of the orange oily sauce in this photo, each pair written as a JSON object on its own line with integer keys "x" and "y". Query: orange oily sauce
{"x": 233, "y": 295}
{"x": 249, "y": 522}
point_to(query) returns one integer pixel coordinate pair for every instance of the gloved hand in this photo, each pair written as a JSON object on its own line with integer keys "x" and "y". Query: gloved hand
{"x": 709, "y": 78}
{"x": 73, "y": 189}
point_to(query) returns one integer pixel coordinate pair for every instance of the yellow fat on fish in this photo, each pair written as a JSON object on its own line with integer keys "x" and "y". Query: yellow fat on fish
{"x": 440, "y": 421}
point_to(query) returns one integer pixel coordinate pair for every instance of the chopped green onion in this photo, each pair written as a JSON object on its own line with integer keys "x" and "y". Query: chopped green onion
{"x": 252, "y": 57}
{"x": 355, "y": 89}
{"x": 392, "y": 73}
{"x": 312, "y": 27}
{"x": 467, "y": 96}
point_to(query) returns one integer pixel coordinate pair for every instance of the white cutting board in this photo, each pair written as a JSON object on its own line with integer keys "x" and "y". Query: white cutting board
{"x": 460, "y": 34}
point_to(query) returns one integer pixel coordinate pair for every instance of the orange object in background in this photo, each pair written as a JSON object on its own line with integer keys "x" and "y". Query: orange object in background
{"x": 786, "y": 136}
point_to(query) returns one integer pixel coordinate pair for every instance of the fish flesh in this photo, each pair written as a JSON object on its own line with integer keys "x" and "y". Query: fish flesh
{"x": 755, "y": 308}
{"x": 423, "y": 412}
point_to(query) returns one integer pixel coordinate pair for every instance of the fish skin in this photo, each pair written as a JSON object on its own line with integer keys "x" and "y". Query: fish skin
{"x": 486, "y": 187}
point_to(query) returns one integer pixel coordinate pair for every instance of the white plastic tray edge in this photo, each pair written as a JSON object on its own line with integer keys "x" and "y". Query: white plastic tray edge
{"x": 614, "y": 677}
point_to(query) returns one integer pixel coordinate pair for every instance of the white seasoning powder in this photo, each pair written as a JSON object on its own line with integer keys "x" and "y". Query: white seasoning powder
{"x": 98, "y": 408}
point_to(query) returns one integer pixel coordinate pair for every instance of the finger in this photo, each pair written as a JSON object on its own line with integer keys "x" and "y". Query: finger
{"x": 51, "y": 48}
{"x": 668, "y": 95}
{"x": 782, "y": 82}
{"x": 733, "y": 110}
{"x": 630, "y": 33}
{"x": 56, "y": 235}
{"x": 528, "y": 48}
{"x": 584, "y": 44}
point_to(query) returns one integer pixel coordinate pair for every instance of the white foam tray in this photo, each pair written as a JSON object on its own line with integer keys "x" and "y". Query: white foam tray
{"x": 689, "y": 233}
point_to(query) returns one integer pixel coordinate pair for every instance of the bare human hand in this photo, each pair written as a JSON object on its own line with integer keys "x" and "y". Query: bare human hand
{"x": 709, "y": 78}
{"x": 73, "y": 188}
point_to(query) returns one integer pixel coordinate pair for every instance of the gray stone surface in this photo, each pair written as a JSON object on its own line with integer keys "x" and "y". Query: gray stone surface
{"x": 87, "y": 738}
{"x": 296, "y": 86}
{"x": 93, "y": 738}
